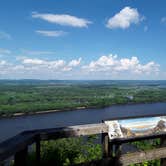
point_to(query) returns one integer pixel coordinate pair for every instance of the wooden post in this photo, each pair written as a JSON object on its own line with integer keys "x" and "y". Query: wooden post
{"x": 20, "y": 158}
{"x": 105, "y": 144}
{"x": 111, "y": 150}
{"x": 38, "y": 152}
{"x": 117, "y": 154}
{"x": 2, "y": 164}
{"x": 163, "y": 144}
{"x": 117, "y": 150}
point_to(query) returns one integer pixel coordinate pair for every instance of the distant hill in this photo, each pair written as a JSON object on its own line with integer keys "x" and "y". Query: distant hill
{"x": 156, "y": 83}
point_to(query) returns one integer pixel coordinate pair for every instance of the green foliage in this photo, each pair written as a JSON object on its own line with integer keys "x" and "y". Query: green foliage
{"x": 65, "y": 152}
{"x": 147, "y": 145}
{"x": 29, "y": 98}
{"x": 70, "y": 151}
{"x": 148, "y": 163}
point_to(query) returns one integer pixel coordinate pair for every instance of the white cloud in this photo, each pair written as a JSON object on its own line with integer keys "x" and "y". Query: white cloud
{"x": 75, "y": 62}
{"x": 3, "y": 62}
{"x": 163, "y": 20}
{"x": 37, "y": 68}
{"x": 62, "y": 19}
{"x": 61, "y": 65}
{"x": 113, "y": 64}
{"x": 51, "y": 33}
{"x": 105, "y": 67}
{"x": 36, "y": 61}
{"x": 4, "y": 35}
{"x": 124, "y": 18}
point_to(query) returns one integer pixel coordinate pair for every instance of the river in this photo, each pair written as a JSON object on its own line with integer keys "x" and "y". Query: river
{"x": 12, "y": 126}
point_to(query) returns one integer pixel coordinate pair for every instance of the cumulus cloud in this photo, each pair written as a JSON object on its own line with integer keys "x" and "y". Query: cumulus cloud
{"x": 36, "y": 61}
{"x": 62, "y": 19}
{"x": 61, "y": 65}
{"x": 124, "y": 18}
{"x": 75, "y": 62}
{"x": 4, "y": 35}
{"x": 51, "y": 33}
{"x": 5, "y": 67}
{"x": 113, "y": 64}
{"x": 38, "y": 68}
{"x": 105, "y": 67}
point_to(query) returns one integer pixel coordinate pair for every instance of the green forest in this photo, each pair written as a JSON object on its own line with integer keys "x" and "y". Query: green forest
{"x": 33, "y": 97}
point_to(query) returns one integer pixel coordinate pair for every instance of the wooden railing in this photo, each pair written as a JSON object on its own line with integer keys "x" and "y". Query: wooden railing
{"x": 18, "y": 145}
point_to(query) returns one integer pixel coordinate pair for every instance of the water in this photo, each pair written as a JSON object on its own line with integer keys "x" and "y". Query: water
{"x": 12, "y": 126}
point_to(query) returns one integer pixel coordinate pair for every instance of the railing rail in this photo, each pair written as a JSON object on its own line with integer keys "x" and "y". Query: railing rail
{"x": 20, "y": 142}
{"x": 18, "y": 146}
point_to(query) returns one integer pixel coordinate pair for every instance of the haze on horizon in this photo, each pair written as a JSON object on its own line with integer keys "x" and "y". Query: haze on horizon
{"x": 83, "y": 40}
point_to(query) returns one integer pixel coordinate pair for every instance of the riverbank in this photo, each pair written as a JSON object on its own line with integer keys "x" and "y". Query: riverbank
{"x": 33, "y": 99}
{"x": 19, "y": 114}
{"x": 37, "y": 113}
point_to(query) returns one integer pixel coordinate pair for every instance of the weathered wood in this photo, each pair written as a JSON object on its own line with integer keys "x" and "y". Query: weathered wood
{"x": 163, "y": 144}
{"x": 73, "y": 131}
{"x": 2, "y": 164}
{"x": 15, "y": 144}
{"x": 117, "y": 149}
{"x": 138, "y": 157}
{"x": 111, "y": 150}
{"x": 20, "y": 158}
{"x": 105, "y": 144}
{"x": 18, "y": 143}
{"x": 38, "y": 152}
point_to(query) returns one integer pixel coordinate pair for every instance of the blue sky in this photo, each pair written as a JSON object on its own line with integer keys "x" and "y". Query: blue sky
{"x": 82, "y": 39}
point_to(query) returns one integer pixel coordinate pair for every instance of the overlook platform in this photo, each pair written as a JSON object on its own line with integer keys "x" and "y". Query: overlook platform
{"x": 112, "y": 145}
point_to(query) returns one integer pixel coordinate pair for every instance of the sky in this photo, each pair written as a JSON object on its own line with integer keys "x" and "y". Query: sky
{"x": 83, "y": 39}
